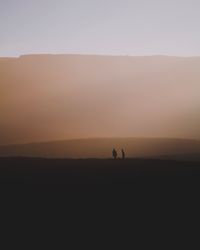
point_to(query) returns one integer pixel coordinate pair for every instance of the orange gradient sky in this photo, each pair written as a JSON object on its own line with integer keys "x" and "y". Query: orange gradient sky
{"x": 48, "y": 97}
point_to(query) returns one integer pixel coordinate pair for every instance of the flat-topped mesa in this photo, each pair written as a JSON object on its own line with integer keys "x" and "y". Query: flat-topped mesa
{"x": 43, "y": 97}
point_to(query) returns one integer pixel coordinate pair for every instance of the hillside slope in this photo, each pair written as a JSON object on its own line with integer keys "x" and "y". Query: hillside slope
{"x": 101, "y": 148}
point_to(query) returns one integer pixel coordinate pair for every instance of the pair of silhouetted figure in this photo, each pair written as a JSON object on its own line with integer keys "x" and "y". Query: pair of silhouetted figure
{"x": 114, "y": 153}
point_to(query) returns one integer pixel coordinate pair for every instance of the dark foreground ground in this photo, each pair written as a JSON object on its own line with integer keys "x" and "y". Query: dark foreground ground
{"x": 103, "y": 195}
{"x": 98, "y": 180}
{"x": 65, "y": 176}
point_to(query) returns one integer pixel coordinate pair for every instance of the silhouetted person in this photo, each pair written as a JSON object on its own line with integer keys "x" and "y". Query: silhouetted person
{"x": 123, "y": 154}
{"x": 114, "y": 153}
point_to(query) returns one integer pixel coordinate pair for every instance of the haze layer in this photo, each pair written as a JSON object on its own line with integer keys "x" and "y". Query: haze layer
{"x": 45, "y": 97}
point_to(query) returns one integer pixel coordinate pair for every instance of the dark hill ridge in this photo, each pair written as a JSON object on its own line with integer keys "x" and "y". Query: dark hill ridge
{"x": 102, "y": 147}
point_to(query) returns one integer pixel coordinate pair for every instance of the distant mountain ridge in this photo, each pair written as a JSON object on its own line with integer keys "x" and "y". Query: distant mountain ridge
{"x": 44, "y": 97}
{"x": 102, "y": 147}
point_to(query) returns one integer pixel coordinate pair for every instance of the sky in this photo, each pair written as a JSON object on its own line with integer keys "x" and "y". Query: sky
{"x": 116, "y": 27}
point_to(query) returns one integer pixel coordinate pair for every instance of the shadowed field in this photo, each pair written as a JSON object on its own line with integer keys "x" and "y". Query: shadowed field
{"x": 65, "y": 175}
{"x": 107, "y": 196}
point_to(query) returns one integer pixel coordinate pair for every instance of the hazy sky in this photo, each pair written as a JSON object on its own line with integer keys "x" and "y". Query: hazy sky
{"x": 133, "y": 27}
{"x": 46, "y": 98}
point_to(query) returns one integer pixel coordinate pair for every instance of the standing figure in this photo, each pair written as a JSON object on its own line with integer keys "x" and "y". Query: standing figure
{"x": 123, "y": 154}
{"x": 114, "y": 153}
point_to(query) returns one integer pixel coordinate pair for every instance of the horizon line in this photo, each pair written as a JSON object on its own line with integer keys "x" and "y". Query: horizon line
{"x": 92, "y": 54}
{"x": 100, "y": 138}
